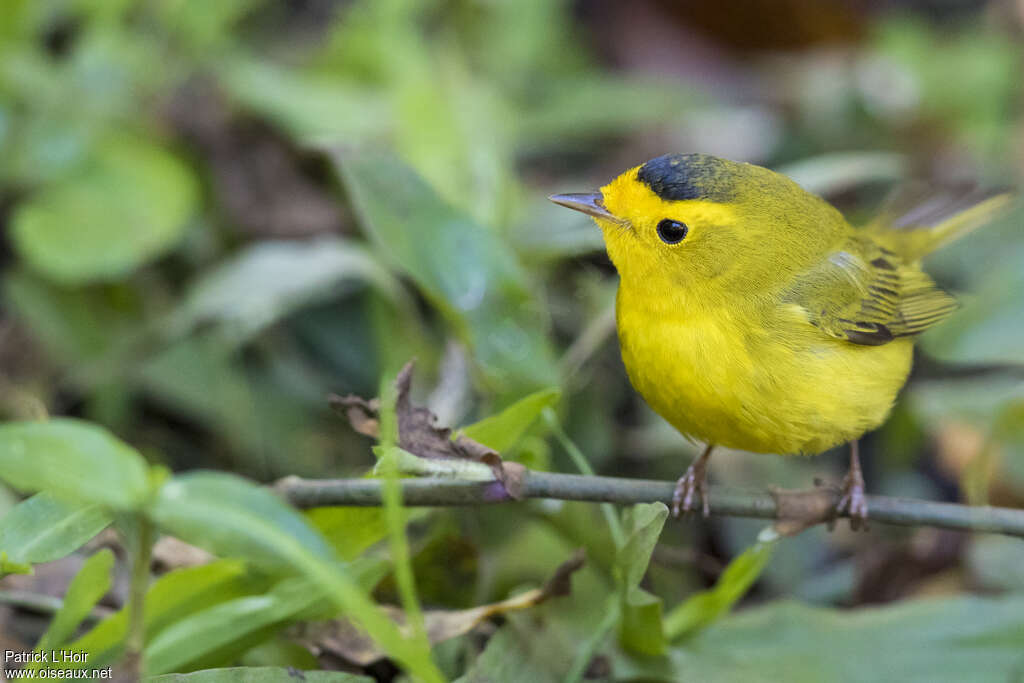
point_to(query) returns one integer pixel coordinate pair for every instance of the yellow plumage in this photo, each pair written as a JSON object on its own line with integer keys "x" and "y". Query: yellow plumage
{"x": 772, "y": 325}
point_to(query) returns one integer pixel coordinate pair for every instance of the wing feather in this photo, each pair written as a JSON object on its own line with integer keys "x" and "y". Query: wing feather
{"x": 866, "y": 294}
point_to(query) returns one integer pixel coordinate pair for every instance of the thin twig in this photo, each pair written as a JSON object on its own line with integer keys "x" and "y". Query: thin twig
{"x": 787, "y": 505}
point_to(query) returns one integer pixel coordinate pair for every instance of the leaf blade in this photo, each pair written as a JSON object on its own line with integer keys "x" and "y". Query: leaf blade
{"x": 42, "y": 528}
{"x": 90, "y": 584}
{"x": 73, "y": 460}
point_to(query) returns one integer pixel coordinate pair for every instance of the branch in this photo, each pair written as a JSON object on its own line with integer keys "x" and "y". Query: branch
{"x": 799, "y": 508}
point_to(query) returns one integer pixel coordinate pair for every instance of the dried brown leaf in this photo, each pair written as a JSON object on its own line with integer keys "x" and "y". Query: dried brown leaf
{"x": 363, "y": 415}
{"x": 419, "y": 434}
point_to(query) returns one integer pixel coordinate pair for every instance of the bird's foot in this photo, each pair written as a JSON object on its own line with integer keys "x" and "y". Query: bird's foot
{"x": 853, "y": 502}
{"x": 693, "y": 483}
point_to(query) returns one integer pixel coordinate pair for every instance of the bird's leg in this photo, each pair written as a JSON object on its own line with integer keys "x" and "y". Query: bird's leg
{"x": 852, "y": 501}
{"x": 695, "y": 481}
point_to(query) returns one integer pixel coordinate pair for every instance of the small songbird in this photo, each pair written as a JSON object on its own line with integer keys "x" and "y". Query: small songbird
{"x": 752, "y": 315}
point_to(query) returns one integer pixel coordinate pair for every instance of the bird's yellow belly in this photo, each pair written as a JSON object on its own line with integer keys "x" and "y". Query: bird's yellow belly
{"x": 763, "y": 390}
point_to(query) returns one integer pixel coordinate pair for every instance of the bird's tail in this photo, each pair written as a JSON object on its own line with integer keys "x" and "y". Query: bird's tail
{"x": 914, "y": 225}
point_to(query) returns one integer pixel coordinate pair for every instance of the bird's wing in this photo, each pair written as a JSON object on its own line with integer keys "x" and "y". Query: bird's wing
{"x": 865, "y": 294}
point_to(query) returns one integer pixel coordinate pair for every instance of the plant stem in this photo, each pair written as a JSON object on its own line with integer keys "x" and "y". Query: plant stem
{"x": 724, "y": 501}
{"x": 136, "y": 638}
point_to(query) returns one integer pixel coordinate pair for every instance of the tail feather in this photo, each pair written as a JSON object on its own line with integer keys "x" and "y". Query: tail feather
{"x": 915, "y": 225}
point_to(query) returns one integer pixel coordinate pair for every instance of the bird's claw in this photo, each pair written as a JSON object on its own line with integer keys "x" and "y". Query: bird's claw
{"x": 853, "y": 503}
{"x": 694, "y": 482}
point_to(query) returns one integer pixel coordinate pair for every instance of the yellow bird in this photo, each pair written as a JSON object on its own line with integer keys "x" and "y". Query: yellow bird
{"x": 752, "y": 315}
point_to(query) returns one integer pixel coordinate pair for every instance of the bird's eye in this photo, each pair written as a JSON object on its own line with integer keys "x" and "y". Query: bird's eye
{"x": 671, "y": 231}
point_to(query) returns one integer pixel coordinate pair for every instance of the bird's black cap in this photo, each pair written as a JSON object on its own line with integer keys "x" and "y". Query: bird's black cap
{"x": 676, "y": 177}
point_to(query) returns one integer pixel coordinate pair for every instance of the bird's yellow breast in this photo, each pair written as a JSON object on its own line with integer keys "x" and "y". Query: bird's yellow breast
{"x": 755, "y": 379}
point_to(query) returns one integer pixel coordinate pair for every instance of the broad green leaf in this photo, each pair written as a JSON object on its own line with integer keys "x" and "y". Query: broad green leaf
{"x": 703, "y": 608}
{"x": 230, "y": 516}
{"x": 85, "y": 590}
{"x": 988, "y": 327}
{"x": 641, "y": 626}
{"x": 503, "y": 430}
{"x": 963, "y": 638}
{"x": 128, "y": 205}
{"x": 171, "y": 598}
{"x": 259, "y": 674}
{"x": 641, "y": 629}
{"x": 313, "y": 108}
{"x": 278, "y": 652}
{"x": 222, "y": 634}
{"x": 73, "y": 460}
{"x": 211, "y": 629}
{"x": 268, "y": 280}
{"x": 43, "y": 529}
{"x": 462, "y": 267}
{"x": 350, "y": 530}
{"x": 523, "y": 653}
{"x": 576, "y": 109}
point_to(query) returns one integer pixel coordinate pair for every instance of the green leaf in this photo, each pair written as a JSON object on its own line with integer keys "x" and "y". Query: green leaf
{"x": 576, "y": 109}
{"x": 523, "y": 653}
{"x": 641, "y": 627}
{"x": 259, "y": 674}
{"x": 503, "y": 430}
{"x": 231, "y": 517}
{"x": 212, "y": 629}
{"x": 43, "y": 529}
{"x": 73, "y": 460}
{"x": 988, "y": 327}
{"x": 279, "y": 652}
{"x": 228, "y": 515}
{"x": 349, "y": 530}
{"x": 268, "y": 280}
{"x": 171, "y": 598}
{"x": 310, "y": 107}
{"x": 85, "y": 590}
{"x": 704, "y": 607}
{"x": 642, "y": 524}
{"x": 462, "y": 267}
{"x": 224, "y": 633}
{"x": 128, "y": 205}
{"x": 963, "y": 638}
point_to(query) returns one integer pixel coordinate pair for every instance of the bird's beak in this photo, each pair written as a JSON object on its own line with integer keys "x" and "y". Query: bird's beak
{"x": 590, "y": 203}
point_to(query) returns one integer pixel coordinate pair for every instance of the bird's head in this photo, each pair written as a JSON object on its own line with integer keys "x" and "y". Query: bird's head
{"x": 701, "y": 222}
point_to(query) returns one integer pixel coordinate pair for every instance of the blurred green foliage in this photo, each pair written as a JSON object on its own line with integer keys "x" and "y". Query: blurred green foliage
{"x": 216, "y": 213}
